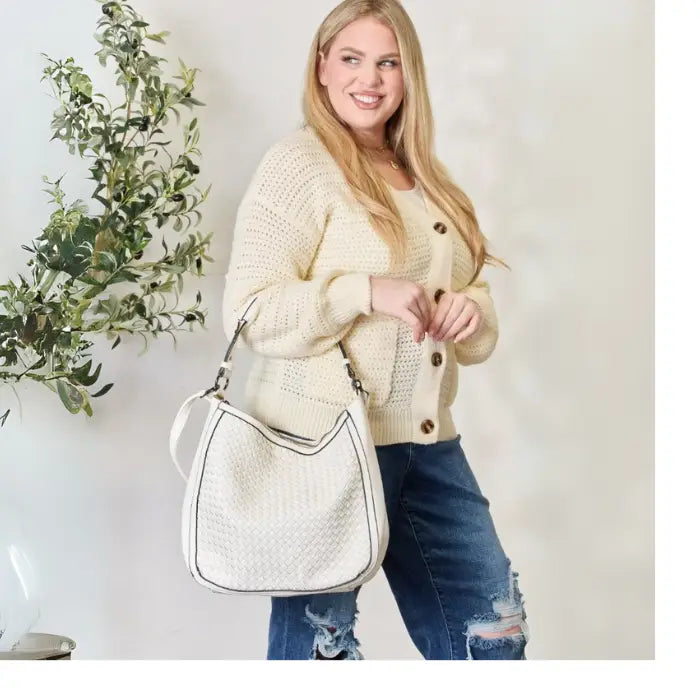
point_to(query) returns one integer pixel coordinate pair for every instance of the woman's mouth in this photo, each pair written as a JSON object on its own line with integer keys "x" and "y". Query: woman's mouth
{"x": 366, "y": 101}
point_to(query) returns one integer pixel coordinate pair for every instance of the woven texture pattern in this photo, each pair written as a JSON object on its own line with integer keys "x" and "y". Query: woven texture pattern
{"x": 272, "y": 515}
{"x": 306, "y": 249}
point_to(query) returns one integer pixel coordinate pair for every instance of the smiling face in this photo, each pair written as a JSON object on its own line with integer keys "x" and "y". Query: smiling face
{"x": 363, "y": 64}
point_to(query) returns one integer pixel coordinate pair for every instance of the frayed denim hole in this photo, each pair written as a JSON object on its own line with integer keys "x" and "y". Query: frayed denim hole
{"x": 508, "y": 611}
{"x": 333, "y": 639}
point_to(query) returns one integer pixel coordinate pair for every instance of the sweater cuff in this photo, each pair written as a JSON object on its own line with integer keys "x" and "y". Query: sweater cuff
{"x": 482, "y": 298}
{"x": 349, "y": 295}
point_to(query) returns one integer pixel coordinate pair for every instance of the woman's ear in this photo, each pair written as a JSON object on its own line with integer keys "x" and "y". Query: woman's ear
{"x": 322, "y": 69}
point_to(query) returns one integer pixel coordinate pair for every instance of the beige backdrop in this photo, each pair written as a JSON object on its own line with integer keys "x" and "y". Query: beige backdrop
{"x": 544, "y": 114}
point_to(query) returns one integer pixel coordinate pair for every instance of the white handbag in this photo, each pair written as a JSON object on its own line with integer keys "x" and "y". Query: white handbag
{"x": 270, "y": 513}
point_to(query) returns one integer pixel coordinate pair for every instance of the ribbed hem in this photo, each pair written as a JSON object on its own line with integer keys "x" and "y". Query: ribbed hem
{"x": 481, "y": 296}
{"x": 309, "y": 418}
{"x": 479, "y": 346}
{"x": 400, "y": 425}
{"x": 349, "y": 295}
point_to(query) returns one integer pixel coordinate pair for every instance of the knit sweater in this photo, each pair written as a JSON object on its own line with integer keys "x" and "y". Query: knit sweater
{"x": 305, "y": 249}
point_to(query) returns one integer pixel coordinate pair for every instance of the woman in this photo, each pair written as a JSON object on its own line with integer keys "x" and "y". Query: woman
{"x": 351, "y": 229}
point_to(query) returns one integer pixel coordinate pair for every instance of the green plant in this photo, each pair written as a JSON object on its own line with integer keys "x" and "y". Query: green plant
{"x": 81, "y": 259}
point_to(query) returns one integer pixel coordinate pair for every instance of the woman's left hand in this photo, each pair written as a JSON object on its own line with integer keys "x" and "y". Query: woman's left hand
{"x": 456, "y": 316}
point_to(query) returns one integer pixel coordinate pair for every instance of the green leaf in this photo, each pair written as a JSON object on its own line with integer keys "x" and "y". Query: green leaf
{"x": 90, "y": 380}
{"x": 103, "y": 390}
{"x": 125, "y": 276}
{"x": 82, "y": 372}
{"x": 158, "y": 37}
{"x": 70, "y": 396}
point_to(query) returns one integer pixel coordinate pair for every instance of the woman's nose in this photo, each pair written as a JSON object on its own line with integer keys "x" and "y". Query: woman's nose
{"x": 370, "y": 78}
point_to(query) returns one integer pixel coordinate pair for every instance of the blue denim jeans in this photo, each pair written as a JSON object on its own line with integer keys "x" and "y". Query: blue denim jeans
{"x": 453, "y": 584}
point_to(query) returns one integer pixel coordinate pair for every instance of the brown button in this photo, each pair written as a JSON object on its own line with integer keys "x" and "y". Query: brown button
{"x": 427, "y": 426}
{"x": 440, "y": 227}
{"x": 437, "y": 359}
{"x": 438, "y": 294}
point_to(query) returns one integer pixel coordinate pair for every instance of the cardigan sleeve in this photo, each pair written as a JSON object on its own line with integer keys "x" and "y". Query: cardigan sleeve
{"x": 479, "y": 346}
{"x": 278, "y": 227}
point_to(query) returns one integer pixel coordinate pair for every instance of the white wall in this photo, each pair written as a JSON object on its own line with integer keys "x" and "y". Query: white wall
{"x": 544, "y": 114}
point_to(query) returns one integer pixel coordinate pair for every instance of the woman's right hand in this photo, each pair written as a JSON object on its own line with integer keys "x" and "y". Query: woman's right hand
{"x": 404, "y": 300}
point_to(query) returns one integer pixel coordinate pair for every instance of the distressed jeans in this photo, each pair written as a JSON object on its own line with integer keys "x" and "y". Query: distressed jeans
{"x": 453, "y": 584}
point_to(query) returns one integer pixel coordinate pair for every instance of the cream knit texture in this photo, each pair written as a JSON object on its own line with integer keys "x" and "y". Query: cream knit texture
{"x": 305, "y": 249}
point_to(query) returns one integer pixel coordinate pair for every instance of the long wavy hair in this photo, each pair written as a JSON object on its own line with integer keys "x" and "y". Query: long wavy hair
{"x": 410, "y": 133}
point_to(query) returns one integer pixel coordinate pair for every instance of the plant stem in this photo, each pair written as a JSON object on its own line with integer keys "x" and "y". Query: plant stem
{"x": 46, "y": 284}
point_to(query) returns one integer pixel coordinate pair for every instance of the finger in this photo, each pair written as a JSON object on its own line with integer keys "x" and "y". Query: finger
{"x": 418, "y": 305}
{"x": 426, "y": 311}
{"x": 457, "y": 325}
{"x": 452, "y": 317}
{"x": 470, "y": 328}
{"x": 411, "y": 314}
{"x": 416, "y": 321}
{"x": 441, "y": 313}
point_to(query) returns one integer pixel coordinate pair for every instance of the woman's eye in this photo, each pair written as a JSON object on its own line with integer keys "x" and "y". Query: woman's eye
{"x": 347, "y": 59}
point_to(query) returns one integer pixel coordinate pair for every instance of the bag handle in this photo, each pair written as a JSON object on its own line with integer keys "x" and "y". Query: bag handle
{"x": 218, "y": 388}
{"x": 179, "y": 423}
{"x": 224, "y": 372}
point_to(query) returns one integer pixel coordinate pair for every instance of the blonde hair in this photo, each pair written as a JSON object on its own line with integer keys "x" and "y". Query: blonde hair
{"x": 410, "y": 133}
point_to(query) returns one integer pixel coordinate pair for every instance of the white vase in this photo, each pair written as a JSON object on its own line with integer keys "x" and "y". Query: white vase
{"x": 19, "y": 600}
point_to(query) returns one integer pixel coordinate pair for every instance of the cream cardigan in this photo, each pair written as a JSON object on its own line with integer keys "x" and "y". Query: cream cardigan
{"x": 305, "y": 247}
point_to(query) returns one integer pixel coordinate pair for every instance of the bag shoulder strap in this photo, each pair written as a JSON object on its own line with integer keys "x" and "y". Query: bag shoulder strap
{"x": 224, "y": 373}
{"x": 221, "y": 383}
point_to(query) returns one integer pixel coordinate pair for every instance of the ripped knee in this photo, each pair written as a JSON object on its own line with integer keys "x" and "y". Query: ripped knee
{"x": 335, "y": 639}
{"x": 503, "y": 628}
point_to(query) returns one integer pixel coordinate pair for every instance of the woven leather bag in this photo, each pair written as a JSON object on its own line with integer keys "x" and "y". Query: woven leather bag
{"x": 266, "y": 512}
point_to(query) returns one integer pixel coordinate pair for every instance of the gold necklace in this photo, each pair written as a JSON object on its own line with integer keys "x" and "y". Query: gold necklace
{"x": 393, "y": 163}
